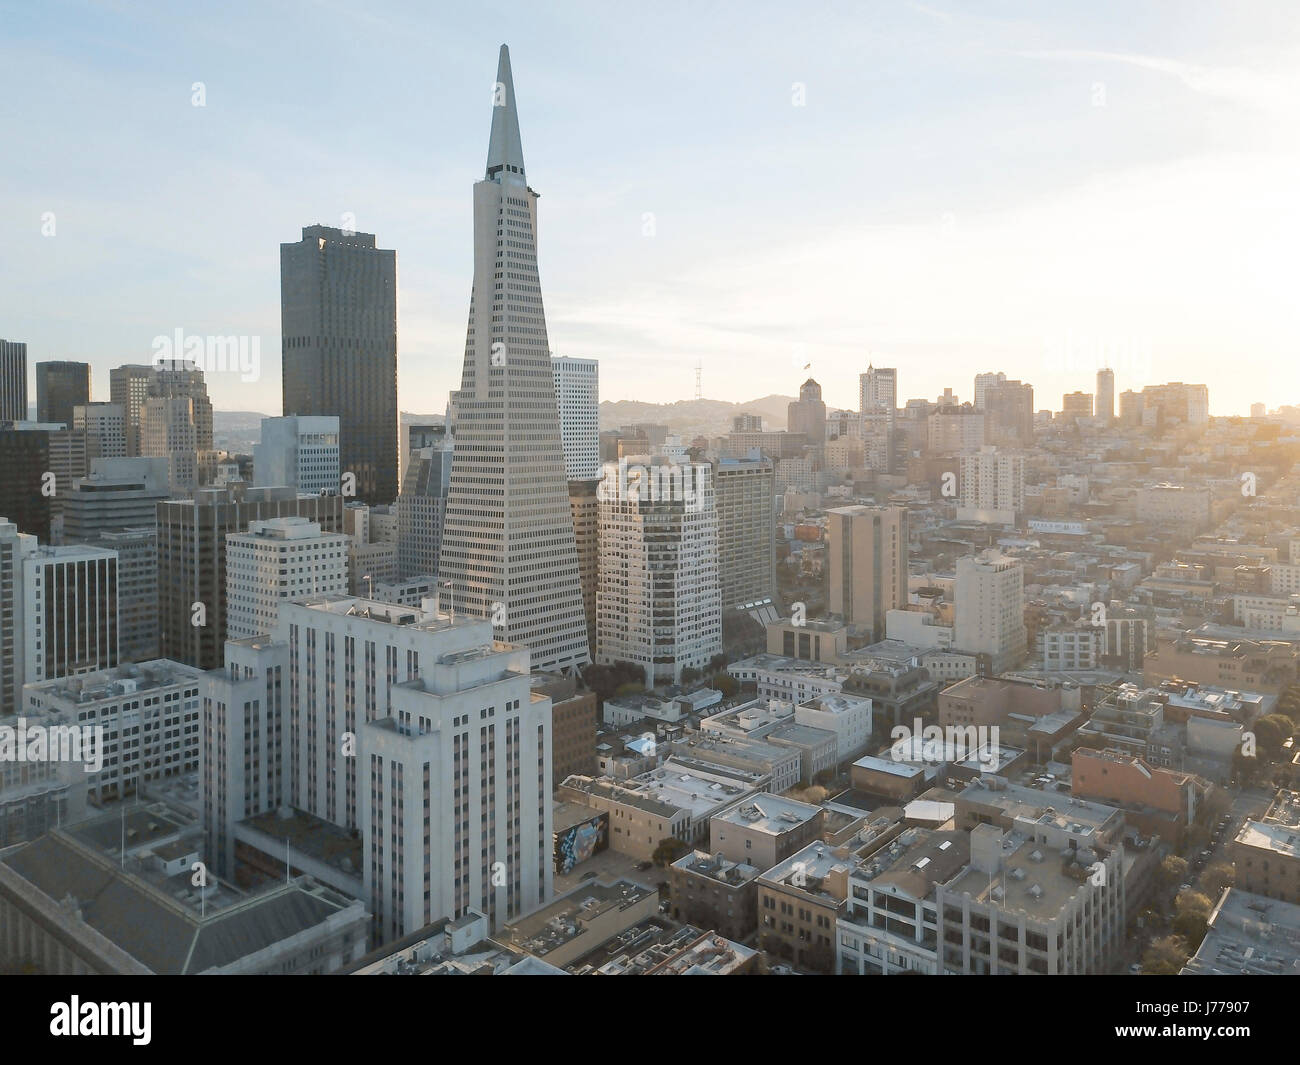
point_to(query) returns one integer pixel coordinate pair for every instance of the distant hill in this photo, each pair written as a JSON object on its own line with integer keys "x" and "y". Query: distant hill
{"x": 694, "y": 417}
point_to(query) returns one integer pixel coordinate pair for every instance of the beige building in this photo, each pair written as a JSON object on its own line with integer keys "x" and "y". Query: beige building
{"x": 1266, "y": 852}
{"x": 765, "y": 830}
{"x": 989, "y": 618}
{"x": 867, "y": 552}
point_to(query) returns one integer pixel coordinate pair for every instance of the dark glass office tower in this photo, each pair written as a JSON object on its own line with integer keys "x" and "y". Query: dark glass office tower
{"x": 338, "y": 314}
{"x": 60, "y": 386}
{"x": 13, "y": 381}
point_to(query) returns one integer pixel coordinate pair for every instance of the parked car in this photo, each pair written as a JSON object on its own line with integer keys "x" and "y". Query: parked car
{"x": 1135, "y": 969}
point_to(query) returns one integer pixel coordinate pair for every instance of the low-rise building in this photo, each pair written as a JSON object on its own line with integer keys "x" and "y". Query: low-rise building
{"x": 765, "y": 830}
{"x": 1266, "y": 851}
{"x": 711, "y": 891}
{"x": 799, "y": 904}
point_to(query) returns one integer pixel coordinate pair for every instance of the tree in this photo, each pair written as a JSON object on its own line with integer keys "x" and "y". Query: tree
{"x": 1165, "y": 957}
{"x": 1192, "y": 901}
{"x": 1191, "y": 927}
{"x": 1271, "y": 731}
{"x": 668, "y": 851}
{"x": 1173, "y": 870}
{"x": 1218, "y": 876}
{"x": 727, "y": 684}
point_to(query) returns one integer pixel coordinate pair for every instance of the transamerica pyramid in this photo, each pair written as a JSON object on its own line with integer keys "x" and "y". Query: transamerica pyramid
{"x": 508, "y": 550}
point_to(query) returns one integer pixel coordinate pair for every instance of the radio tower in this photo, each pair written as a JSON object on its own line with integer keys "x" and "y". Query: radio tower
{"x": 699, "y": 369}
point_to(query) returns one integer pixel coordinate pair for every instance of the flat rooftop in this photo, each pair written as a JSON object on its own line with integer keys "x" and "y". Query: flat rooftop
{"x": 1032, "y": 879}
{"x": 770, "y": 814}
{"x": 1249, "y": 935}
{"x": 567, "y": 918}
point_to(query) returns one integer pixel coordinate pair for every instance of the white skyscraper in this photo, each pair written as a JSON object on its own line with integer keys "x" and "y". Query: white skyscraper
{"x": 298, "y": 450}
{"x": 990, "y": 609}
{"x": 659, "y": 600}
{"x": 992, "y": 486}
{"x": 577, "y": 399}
{"x": 878, "y": 389}
{"x": 508, "y": 546}
{"x": 244, "y": 767}
{"x": 276, "y": 560}
{"x": 420, "y": 730}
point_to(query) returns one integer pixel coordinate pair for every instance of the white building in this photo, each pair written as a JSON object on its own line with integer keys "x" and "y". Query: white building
{"x": 992, "y": 486}
{"x": 659, "y": 600}
{"x": 149, "y": 712}
{"x": 298, "y": 450}
{"x": 577, "y": 401}
{"x": 14, "y": 547}
{"x": 878, "y": 389}
{"x": 990, "y": 608}
{"x": 848, "y": 716}
{"x": 508, "y": 547}
{"x": 276, "y": 560}
{"x": 69, "y": 597}
{"x": 105, "y": 428}
{"x": 244, "y": 767}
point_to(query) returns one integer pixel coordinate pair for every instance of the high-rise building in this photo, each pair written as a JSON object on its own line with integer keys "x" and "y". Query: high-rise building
{"x": 14, "y": 547}
{"x": 105, "y": 427}
{"x": 149, "y": 712}
{"x": 1189, "y": 404}
{"x": 13, "y": 381}
{"x": 584, "y": 505}
{"x": 372, "y": 547}
{"x": 338, "y": 312}
{"x": 878, "y": 389}
{"x": 1009, "y": 414}
{"x": 745, "y": 494}
{"x": 956, "y": 428}
{"x": 1076, "y": 405}
{"x": 989, "y": 618}
{"x": 866, "y": 553}
{"x": 118, "y": 494}
{"x": 129, "y": 388}
{"x": 991, "y": 483}
{"x": 1105, "y": 410}
{"x": 192, "y": 560}
{"x": 659, "y": 602}
{"x": 450, "y": 783}
{"x": 137, "y": 590}
{"x": 276, "y": 560}
{"x": 302, "y": 452}
{"x": 421, "y": 509}
{"x": 70, "y": 607}
{"x": 1131, "y": 407}
{"x": 24, "y": 489}
{"x": 176, "y": 422}
{"x": 983, "y": 382}
{"x": 244, "y": 767}
{"x": 577, "y": 400}
{"x": 1259, "y": 410}
{"x": 808, "y": 414}
{"x": 60, "y": 386}
{"x": 508, "y": 547}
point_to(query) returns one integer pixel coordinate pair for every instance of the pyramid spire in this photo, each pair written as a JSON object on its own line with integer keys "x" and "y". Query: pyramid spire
{"x": 505, "y": 150}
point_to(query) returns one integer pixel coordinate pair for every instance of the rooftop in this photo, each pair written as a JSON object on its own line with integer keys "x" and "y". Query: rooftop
{"x": 772, "y": 814}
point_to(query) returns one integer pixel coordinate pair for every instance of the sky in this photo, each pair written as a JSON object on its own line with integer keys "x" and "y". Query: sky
{"x": 767, "y": 190}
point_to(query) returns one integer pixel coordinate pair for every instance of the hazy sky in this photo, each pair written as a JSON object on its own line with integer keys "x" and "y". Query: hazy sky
{"x": 944, "y": 187}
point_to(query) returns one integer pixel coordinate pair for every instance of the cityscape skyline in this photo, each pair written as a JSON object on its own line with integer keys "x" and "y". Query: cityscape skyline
{"x": 1145, "y": 146}
{"x": 952, "y": 651}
